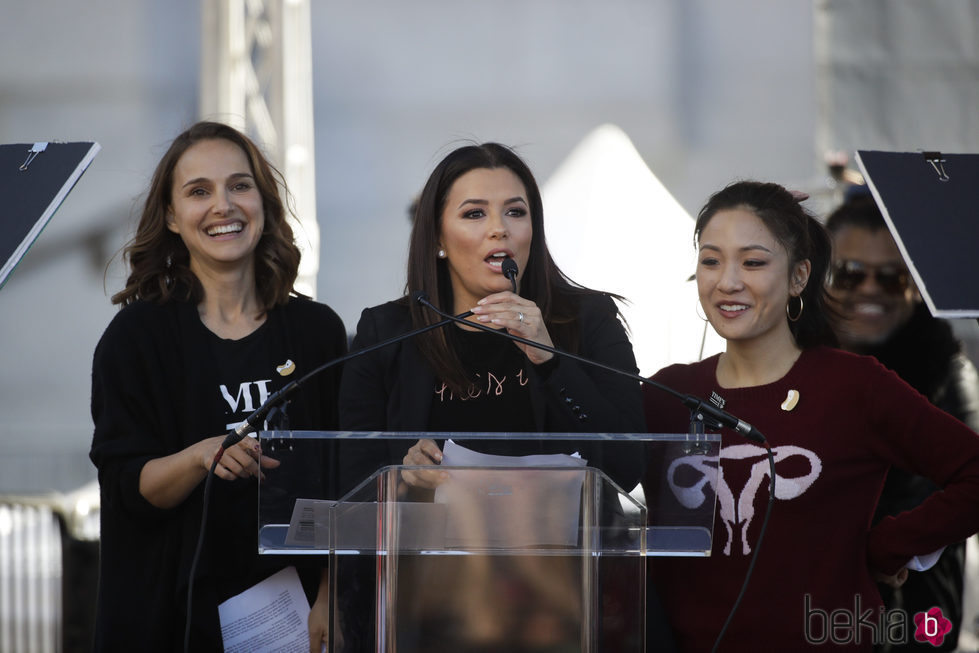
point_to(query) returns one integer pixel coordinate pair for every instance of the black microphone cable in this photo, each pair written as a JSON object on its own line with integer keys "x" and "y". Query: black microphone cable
{"x": 197, "y": 550}
{"x": 754, "y": 556}
{"x": 253, "y": 421}
{"x": 695, "y": 404}
{"x": 700, "y": 411}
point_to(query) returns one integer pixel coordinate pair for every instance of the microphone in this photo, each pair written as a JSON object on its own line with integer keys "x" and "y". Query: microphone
{"x": 700, "y": 410}
{"x": 510, "y": 272}
{"x": 253, "y": 422}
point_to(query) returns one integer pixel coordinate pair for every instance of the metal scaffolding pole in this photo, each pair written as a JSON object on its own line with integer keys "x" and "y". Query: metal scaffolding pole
{"x": 256, "y": 75}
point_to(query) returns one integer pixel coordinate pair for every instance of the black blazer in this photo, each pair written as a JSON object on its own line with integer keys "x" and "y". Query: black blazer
{"x": 391, "y": 389}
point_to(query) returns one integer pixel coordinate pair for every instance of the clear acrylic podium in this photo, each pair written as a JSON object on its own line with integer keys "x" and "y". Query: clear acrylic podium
{"x": 534, "y": 558}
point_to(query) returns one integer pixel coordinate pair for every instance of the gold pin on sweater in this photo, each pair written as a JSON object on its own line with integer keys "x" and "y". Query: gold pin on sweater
{"x": 791, "y": 400}
{"x": 286, "y": 368}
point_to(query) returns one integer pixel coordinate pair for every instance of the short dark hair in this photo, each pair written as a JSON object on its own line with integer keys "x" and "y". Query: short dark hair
{"x": 802, "y": 237}
{"x": 158, "y": 259}
{"x": 861, "y": 211}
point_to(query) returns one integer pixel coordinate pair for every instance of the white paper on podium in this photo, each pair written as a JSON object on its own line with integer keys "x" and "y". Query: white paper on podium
{"x": 271, "y": 615}
{"x": 535, "y": 508}
{"x": 455, "y": 455}
{"x": 309, "y": 525}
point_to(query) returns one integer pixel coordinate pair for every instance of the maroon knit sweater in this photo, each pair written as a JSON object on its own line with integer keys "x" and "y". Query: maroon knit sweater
{"x": 853, "y": 419}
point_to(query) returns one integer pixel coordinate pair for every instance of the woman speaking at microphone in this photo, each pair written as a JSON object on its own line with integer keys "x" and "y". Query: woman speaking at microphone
{"x": 480, "y": 206}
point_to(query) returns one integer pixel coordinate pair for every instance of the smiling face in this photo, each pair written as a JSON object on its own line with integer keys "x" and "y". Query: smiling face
{"x": 216, "y": 207}
{"x": 743, "y": 277}
{"x": 871, "y": 286}
{"x": 486, "y": 217}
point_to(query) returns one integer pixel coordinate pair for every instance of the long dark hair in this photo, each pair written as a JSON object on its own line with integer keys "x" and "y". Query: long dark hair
{"x": 541, "y": 282}
{"x": 158, "y": 259}
{"x": 802, "y": 237}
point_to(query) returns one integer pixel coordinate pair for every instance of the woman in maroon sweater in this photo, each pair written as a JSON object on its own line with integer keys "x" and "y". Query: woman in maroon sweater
{"x": 835, "y": 422}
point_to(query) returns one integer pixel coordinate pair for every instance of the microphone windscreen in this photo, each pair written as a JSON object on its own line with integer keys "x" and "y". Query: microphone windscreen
{"x": 509, "y": 268}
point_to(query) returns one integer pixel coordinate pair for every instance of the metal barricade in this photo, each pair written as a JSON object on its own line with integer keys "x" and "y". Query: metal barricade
{"x": 48, "y": 571}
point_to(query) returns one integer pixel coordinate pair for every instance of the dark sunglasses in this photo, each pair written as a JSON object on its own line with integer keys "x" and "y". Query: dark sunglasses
{"x": 847, "y": 275}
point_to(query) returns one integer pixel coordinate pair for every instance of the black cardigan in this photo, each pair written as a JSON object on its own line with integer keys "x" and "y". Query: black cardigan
{"x": 152, "y": 383}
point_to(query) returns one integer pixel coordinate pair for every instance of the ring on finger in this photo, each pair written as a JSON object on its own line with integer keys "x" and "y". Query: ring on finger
{"x": 519, "y": 317}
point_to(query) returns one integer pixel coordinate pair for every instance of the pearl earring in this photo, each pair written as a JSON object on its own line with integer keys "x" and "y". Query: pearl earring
{"x": 441, "y": 253}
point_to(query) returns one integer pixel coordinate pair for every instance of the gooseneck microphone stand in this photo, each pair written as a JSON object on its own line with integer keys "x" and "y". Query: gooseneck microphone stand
{"x": 699, "y": 409}
{"x": 255, "y": 420}
{"x": 702, "y": 415}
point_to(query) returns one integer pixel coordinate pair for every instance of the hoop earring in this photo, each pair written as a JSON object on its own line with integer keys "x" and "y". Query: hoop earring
{"x": 697, "y": 306}
{"x": 797, "y": 315}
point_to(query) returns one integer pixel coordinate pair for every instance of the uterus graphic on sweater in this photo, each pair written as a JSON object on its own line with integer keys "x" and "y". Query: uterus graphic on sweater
{"x": 741, "y": 509}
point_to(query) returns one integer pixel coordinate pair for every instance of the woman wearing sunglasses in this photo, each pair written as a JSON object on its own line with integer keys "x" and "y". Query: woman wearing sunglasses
{"x": 881, "y": 314}
{"x": 836, "y": 423}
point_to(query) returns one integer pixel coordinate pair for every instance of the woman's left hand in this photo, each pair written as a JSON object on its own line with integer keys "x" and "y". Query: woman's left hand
{"x": 521, "y": 317}
{"x": 423, "y": 452}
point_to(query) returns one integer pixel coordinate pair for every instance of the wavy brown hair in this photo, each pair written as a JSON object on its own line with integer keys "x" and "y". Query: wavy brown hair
{"x": 159, "y": 262}
{"x": 542, "y": 281}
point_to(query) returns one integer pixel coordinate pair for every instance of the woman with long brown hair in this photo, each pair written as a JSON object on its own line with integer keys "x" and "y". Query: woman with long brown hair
{"x": 210, "y": 326}
{"x": 480, "y": 206}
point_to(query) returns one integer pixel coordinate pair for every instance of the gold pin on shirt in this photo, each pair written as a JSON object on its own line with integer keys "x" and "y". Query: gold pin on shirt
{"x": 791, "y": 400}
{"x": 286, "y": 368}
